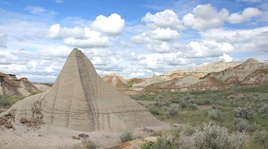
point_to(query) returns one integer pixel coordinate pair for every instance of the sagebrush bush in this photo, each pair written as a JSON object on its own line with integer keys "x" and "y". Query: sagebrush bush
{"x": 261, "y": 139}
{"x": 153, "y": 109}
{"x": 183, "y": 104}
{"x": 203, "y": 101}
{"x": 172, "y": 112}
{"x": 127, "y": 136}
{"x": 246, "y": 113}
{"x": 237, "y": 141}
{"x": 264, "y": 108}
{"x": 4, "y": 100}
{"x": 193, "y": 106}
{"x": 241, "y": 124}
{"x": 212, "y": 136}
{"x": 189, "y": 131}
{"x": 215, "y": 114}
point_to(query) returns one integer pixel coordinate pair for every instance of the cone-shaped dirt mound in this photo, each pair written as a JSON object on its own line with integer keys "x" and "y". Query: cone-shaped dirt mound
{"x": 81, "y": 100}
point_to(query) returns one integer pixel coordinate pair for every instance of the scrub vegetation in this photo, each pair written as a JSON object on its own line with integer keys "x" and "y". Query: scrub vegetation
{"x": 233, "y": 118}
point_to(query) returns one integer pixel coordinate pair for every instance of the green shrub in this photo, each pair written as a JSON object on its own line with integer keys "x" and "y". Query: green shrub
{"x": 127, "y": 136}
{"x": 161, "y": 143}
{"x": 172, "y": 112}
{"x": 183, "y": 104}
{"x": 203, "y": 101}
{"x": 193, "y": 106}
{"x": 154, "y": 110}
{"x": 212, "y": 136}
{"x": 215, "y": 114}
{"x": 168, "y": 103}
{"x": 189, "y": 131}
{"x": 241, "y": 124}
{"x": 264, "y": 111}
{"x": 237, "y": 141}
{"x": 4, "y": 100}
{"x": 246, "y": 113}
{"x": 260, "y": 138}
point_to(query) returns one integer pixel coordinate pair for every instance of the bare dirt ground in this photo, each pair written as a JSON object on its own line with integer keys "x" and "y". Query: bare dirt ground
{"x": 56, "y": 137}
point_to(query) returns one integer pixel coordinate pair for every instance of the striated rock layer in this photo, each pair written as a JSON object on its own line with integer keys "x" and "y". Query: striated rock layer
{"x": 81, "y": 100}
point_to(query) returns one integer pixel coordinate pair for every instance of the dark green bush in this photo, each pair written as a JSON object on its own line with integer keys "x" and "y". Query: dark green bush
{"x": 246, "y": 113}
{"x": 4, "y": 100}
{"x": 241, "y": 124}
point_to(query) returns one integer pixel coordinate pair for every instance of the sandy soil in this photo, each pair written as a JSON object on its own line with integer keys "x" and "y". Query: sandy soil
{"x": 53, "y": 137}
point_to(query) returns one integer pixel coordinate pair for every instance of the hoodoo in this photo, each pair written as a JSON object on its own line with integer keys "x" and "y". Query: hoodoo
{"x": 81, "y": 100}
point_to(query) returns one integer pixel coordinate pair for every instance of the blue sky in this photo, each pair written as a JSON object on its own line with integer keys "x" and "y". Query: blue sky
{"x": 133, "y": 38}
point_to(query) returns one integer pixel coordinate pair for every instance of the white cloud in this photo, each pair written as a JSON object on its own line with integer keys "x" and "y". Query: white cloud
{"x": 61, "y": 51}
{"x": 40, "y": 11}
{"x": 140, "y": 39}
{"x": 56, "y": 31}
{"x": 160, "y": 47}
{"x": 112, "y": 25}
{"x": 164, "y": 34}
{"x": 7, "y": 58}
{"x": 207, "y": 48}
{"x": 246, "y": 15}
{"x": 204, "y": 17}
{"x": 165, "y": 19}
{"x": 100, "y": 42}
{"x": 226, "y": 58}
{"x": 243, "y": 40}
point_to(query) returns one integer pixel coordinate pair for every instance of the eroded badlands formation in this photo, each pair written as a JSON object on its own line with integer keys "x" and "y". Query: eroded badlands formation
{"x": 81, "y": 100}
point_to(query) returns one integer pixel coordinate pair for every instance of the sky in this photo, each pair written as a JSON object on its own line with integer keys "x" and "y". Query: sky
{"x": 132, "y": 38}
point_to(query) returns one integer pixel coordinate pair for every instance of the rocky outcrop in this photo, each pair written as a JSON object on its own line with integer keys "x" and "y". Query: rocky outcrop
{"x": 116, "y": 81}
{"x": 189, "y": 83}
{"x": 236, "y": 75}
{"x": 202, "y": 70}
{"x": 81, "y": 100}
{"x": 10, "y": 85}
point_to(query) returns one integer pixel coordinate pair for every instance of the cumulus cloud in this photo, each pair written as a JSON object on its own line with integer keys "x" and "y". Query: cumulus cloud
{"x": 100, "y": 42}
{"x": 56, "y": 31}
{"x": 246, "y": 15}
{"x": 61, "y": 51}
{"x": 206, "y": 48}
{"x": 204, "y": 17}
{"x": 164, "y": 34}
{"x": 241, "y": 39}
{"x": 226, "y": 58}
{"x": 112, "y": 25}
{"x": 7, "y": 58}
{"x": 165, "y": 19}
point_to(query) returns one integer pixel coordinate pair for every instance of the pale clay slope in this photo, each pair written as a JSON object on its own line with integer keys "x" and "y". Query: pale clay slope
{"x": 81, "y": 100}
